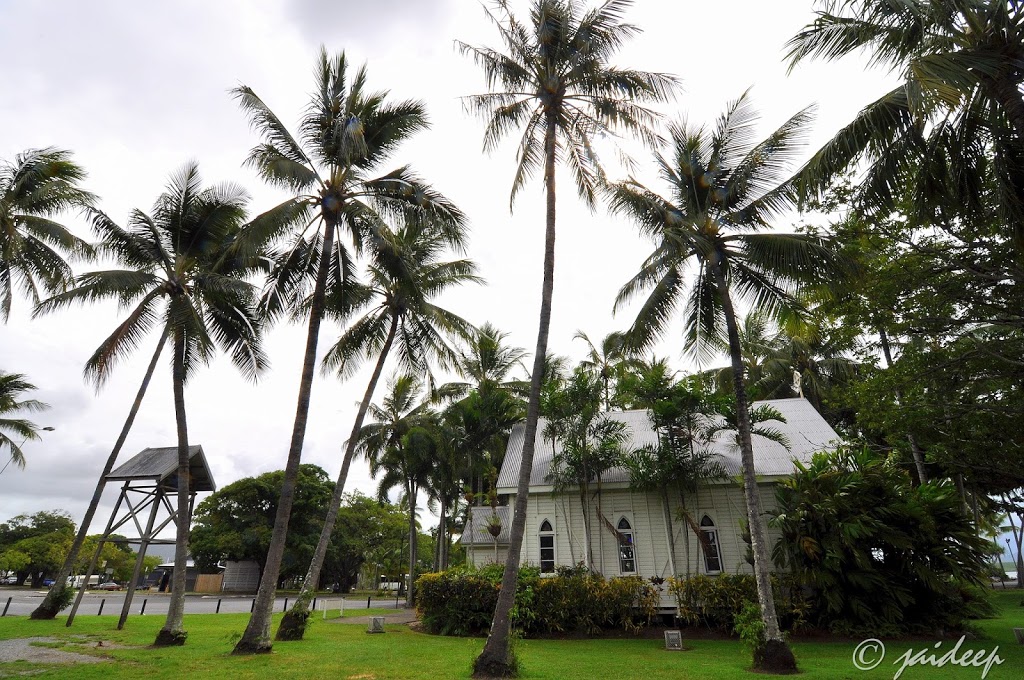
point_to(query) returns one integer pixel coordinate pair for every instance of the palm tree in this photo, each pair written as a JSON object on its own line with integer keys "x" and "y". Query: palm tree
{"x": 607, "y": 361}
{"x": 345, "y": 136}
{"x": 489, "y": 401}
{"x": 960, "y": 101}
{"x": 724, "y": 190}
{"x": 12, "y": 387}
{"x": 400, "y": 448}
{"x": 554, "y": 80}
{"x": 405, "y": 277}
{"x": 682, "y": 461}
{"x": 587, "y": 443}
{"x": 184, "y": 273}
{"x": 38, "y": 185}
{"x": 799, "y": 359}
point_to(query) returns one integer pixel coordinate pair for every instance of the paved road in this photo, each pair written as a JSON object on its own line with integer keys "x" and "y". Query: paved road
{"x": 24, "y": 600}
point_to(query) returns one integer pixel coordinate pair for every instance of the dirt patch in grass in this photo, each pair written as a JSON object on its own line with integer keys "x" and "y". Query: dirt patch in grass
{"x": 52, "y": 650}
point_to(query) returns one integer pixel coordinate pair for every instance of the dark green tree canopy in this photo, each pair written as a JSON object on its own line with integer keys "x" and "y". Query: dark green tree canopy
{"x": 235, "y": 522}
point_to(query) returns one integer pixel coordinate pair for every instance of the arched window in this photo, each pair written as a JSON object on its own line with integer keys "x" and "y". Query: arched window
{"x": 547, "y": 547}
{"x": 712, "y": 557}
{"x": 627, "y": 549}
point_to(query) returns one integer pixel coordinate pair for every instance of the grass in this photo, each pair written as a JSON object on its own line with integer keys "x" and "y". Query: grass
{"x": 334, "y": 650}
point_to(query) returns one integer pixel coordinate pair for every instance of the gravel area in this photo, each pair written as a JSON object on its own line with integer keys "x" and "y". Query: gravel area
{"x": 22, "y": 649}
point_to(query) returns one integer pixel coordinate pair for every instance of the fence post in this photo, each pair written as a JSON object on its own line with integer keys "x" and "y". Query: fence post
{"x": 314, "y": 605}
{"x": 252, "y": 607}
{"x": 368, "y": 601}
{"x": 218, "y": 606}
{"x": 7, "y": 605}
{"x": 100, "y": 612}
{"x": 285, "y": 605}
{"x": 143, "y": 610}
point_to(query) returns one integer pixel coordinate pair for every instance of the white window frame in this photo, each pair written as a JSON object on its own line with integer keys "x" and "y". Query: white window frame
{"x": 543, "y": 533}
{"x": 711, "y": 537}
{"x": 629, "y": 531}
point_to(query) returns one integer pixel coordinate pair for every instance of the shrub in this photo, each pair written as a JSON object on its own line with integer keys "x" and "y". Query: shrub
{"x": 879, "y": 554}
{"x": 717, "y": 601}
{"x": 461, "y": 602}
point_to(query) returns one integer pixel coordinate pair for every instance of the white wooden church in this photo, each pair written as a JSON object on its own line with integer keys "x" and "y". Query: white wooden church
{"x": 640, "y": 543}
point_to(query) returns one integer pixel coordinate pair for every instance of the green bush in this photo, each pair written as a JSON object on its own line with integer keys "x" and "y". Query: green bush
{"x": 715, "y": 602}
{"x": 461, "y": 602}
{"x": 879, "y": 554}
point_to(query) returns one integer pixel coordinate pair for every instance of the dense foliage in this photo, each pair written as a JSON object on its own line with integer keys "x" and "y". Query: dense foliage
{"x": 460, "y": 602}
{"x": 717, "y": 602}
{"x": 878, "y": 554}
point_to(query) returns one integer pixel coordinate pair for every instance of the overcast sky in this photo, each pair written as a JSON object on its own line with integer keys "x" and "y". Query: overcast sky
{"x": 136, "y": 89}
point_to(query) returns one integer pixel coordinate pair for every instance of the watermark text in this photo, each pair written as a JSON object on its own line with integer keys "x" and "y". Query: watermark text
{"x": 870, "y": 653}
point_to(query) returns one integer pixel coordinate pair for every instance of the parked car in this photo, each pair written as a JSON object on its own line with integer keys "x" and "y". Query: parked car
{"x": 48, "y": 582}
{"x": 10, "y": 581}
{"x": 110, "y": 585}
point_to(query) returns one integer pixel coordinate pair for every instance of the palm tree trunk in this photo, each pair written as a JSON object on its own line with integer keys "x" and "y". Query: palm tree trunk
{"x": 256, "y": 638}
{"x": 915, "y": 450}
{"x": 588, "y": 553}
{"x": 293, "y": 623}
{"x": 410, "y": 595}
{"x": 49, "y": 608}
{"x": 441, "y": 533}
{"x": 670, "y": 531}
{"x": 172, "y": 632}
{"x": 494, "y": 660}
{"x": 775, "y": 654}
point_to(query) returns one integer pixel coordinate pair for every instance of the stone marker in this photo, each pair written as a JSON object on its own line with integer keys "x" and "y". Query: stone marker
{"x": 376, "y": 624}
{"x": 673, "y": 640}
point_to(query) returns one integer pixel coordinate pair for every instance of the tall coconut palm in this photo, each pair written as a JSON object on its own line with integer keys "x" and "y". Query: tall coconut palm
{"x": 555, "y": 81}
{"x": 185, "y": 265}
{"x": 12, "y": 407}
{"x": 335, "y": 169}
{"x": 37, "y": 186}
{"x": 406, "y": 275}
{"x": 724, "y": 191}
{"x": 400, "y": 445}
{"x": 960, "y": 101}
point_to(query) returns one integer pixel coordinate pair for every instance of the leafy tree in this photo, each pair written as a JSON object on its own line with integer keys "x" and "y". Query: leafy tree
{"x": 880, "y": 554}
{"x": 940, "y": 305}
{"x": 37, "y": 186}
{"x": 185, "y": 268}
{"x": 34, "y": 545}
{"x": 724, "y": 190}
{"x": 236, "y": 521}
{"x": 555, "y": 81}
{"x": 367, "y": 533}
{"x": 406, "y": 276}
{"x": 345, "y": 136}
{"x": 12, "y": 387}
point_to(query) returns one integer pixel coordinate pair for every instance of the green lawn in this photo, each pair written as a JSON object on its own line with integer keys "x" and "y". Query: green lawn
{"x": 335, "y": 650}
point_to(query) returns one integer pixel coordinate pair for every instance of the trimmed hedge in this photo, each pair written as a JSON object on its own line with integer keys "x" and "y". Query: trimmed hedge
{"x": 460, "y": 602}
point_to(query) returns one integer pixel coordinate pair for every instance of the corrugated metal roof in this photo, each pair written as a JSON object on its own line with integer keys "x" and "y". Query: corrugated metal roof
{"x": 806, "y": 429}
{"x": 476, "y": 526}
{"x": 161, "y": 465}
